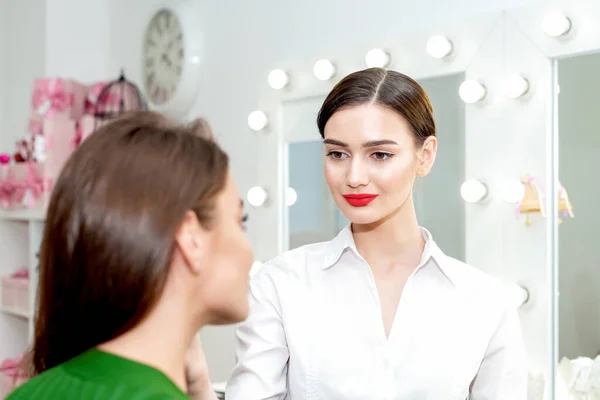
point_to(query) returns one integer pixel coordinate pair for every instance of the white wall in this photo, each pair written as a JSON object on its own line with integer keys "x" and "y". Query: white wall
{"x": 77, "y": 39}
{"x": 23, "y": 58}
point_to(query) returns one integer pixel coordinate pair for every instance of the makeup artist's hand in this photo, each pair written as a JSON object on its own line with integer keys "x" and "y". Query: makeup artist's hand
{"x": 196, "y": 373}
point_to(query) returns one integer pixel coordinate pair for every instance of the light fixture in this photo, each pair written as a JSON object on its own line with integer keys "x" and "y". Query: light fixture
{"x": 290, "y": 196}
{"x": 512, "y": 191}
{"x": 471, "y": 91}
{"x": 377, "y": 58}
{"x": 515, "y": 86}
{"x": 517, "y": 295}
{"x": 257, "y": 120}
{"x": 324, "y": 70}
{"x": 473, "y": 191}
{"x": 257, "y": 196}
{"x": 438, "y": 46}
{"x": 556, "y": 24}
{"x": 278, "y": 79}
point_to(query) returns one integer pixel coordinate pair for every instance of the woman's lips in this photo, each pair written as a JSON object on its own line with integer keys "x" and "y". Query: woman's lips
{"x": 359, "y": 200}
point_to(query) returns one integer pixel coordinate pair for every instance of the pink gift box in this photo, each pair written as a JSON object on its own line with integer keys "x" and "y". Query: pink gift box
{"x": 32, "y": 182}
{"x": 31, "y": 187}
{"x": 55, "y": 98}
{"x": 15, "y": 293}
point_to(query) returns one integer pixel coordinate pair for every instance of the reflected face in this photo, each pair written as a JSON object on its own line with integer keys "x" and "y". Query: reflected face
{"x": 372, "y": 162}
{"x": 228, "y": 259}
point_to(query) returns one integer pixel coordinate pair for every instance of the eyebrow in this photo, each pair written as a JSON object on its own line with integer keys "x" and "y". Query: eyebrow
{"x": 241, "y": 203}
{"x": 370, "y": 143}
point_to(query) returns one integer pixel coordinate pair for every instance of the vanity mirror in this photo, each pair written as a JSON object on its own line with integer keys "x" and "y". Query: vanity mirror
{"x": 489, "y": 87}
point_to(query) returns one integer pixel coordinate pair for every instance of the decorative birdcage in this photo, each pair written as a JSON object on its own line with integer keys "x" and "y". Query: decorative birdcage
{"x": 116, "y": 98}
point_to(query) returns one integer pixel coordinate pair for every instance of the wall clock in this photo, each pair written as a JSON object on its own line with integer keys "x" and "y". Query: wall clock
{"x": 171, "y": 60}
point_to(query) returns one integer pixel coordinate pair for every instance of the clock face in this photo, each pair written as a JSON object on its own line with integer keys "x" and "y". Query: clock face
{"x": 163, "y": 56}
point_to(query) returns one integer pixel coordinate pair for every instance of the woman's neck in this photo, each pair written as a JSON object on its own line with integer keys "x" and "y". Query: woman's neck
{"x": 395, "y": 239}
{"x": 160, "y": 340}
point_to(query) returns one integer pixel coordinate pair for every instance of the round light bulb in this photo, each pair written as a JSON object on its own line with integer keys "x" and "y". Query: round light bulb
{"x": 377, "y": 58}
{"x": 290, "y": 196}
{"x": 257, "y": 196}
{"x": 512, "y": 191}
{"x": 438, "y": 46}
{"x": 473, "y": 191}
{"x": 257, "y": 120}
{"x": 556, "y": 24}
{"x": 278, "y": 79}
{"x": 324, "y": 70}
{"x": 471, "y": 91}
{"x": 515, "y": 86}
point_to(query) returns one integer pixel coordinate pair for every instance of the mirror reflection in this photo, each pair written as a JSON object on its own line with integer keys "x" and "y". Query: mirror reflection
{"x": 579, "y": 256}
{"x": 313, "y": 215}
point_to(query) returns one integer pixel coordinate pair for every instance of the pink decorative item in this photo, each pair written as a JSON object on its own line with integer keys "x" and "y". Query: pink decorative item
{"x": 35, "y": 126}
{"x": 31, "y": 187}
{"x": 32, "y": 181}
{"x": 11, "y": 375}
{"x": 111, "y": 101}
{"x": 58, "y": 98}
{"x": 15, "y": 293}
{"x": 6, "y": 182}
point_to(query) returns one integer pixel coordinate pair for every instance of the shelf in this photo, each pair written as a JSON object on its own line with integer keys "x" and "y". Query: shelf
{"x": 26, "y": 214}
{"x": 16, "y": 312}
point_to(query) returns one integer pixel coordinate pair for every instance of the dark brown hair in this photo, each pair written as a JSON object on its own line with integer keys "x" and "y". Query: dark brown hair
{"x": 110, "y": 229}
{"x": 386, "y": 88}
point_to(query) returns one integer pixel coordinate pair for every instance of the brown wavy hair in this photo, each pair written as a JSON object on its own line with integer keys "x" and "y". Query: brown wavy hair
{"x": 110, "y": 229}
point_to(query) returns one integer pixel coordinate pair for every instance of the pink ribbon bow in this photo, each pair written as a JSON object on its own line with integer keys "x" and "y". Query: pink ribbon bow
{"x": 50, "y": 97}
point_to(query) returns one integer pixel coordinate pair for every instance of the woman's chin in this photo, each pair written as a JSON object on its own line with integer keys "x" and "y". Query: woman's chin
{"x": 361, "y": 216}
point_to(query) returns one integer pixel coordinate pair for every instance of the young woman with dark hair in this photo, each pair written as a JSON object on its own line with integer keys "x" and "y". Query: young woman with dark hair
{"x": 143, "y": 245}
{"x": 379, "y": 312}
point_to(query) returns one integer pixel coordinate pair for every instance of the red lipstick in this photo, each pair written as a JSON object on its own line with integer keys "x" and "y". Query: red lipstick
{"x": 359, "y": 200}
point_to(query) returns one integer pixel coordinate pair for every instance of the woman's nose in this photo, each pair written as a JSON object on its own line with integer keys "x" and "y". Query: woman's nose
{"x": 357, "y": 175}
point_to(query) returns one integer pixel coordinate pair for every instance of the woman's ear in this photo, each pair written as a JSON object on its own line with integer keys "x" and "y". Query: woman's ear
{"x": 191, "y": 240}
{"x": 427, "y": 155}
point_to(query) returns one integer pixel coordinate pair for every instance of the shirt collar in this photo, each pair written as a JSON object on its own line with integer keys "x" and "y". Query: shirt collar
{"x": 344, "y": 241}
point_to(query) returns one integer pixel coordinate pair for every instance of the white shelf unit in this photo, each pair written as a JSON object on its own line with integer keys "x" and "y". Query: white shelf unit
{"x": 20, "y": 238}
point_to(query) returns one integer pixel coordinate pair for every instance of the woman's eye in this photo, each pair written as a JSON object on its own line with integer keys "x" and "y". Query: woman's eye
{"x": 382, "y": 156}
{"x": 336, "y": 155}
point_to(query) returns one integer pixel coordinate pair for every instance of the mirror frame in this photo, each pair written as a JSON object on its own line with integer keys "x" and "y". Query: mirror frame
{"x": 582, "y": 38}
{"x": 485, "y": 48}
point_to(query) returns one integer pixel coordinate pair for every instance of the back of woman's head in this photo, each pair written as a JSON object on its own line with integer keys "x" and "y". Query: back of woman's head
{"x": 109, "y": 236}
{"x": 386, "y": 88}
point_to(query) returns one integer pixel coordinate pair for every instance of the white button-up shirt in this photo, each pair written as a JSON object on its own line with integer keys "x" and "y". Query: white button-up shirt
{"x": 315, "y": 331}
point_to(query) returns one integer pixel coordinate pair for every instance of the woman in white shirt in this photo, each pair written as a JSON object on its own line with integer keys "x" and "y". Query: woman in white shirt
{"x": 379, "y": 312}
